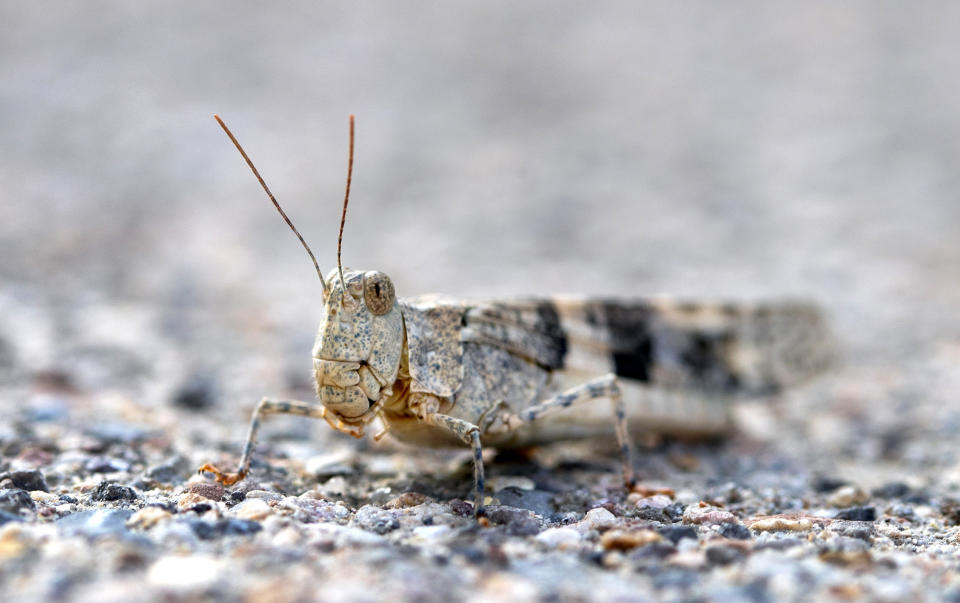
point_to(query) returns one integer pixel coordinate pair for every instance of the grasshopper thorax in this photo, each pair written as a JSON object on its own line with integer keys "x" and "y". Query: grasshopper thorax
{"x": 359, "y": 343}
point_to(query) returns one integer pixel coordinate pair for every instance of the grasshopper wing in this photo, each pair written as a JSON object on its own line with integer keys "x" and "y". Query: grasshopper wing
{"x": 736, "y": 348}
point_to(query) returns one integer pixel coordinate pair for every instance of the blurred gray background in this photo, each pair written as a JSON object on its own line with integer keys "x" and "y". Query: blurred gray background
{"x": 743, "y": 150}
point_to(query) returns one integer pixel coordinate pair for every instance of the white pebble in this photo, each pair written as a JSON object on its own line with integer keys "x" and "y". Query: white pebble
{"x": 186, "y": 573}
{"x": 431, "y": 532}
{"x": 598, "y": 518}
{"x": 559, "y": 537}
{"x": 253, "y": 508}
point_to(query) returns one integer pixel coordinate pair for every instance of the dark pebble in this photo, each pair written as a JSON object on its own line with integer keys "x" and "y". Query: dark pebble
{"x": 950, "y": 508}
{"x": 674, "y": 512}
{"x": 518, "y": 522}
{"x": 107, "y": 491}
{"x": 904, "y": 511}
{"x": 196, "y": 393}
{"x": 29, "y": 480}
{"x": 843, "y": 544}
{"x": 780, "y": 544}
{"x": 68, "y": 499}
{"x": 671, "y": 513}
{"x": 891, "y": 490}
{"x": 470, "y": 553}
{"x": 13, "y": 500}
{"x": 735, "y": 531}
{"x": 172, "y": 471}
{"x": 824, "y": 484}
{"x": 209, "y": 530}
{"x": 675, "y": 578}
{"x": 857, "y": 531}
{"x": 95, "y": 523}
{"x": 6, "y": 517}
{"x": 654, "y": 550}
{"x": 677, "y": 533}
{"x": 593, "y": 557}
{"x": 166, "y": 505}
{"x": 858, "y": 514}
{"x": 724, "y": 554}
{"x": 237, "y": 496}
{"x": 105, "y": 464}
{"x": 461, "y": 507}
{"x": 651, "y": 513}
{"x": 537, "y": 501}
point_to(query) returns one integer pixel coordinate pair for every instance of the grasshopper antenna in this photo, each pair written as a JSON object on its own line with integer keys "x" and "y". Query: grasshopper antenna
{"x": 346, "y": 200}
{"x": 274, "y": 200}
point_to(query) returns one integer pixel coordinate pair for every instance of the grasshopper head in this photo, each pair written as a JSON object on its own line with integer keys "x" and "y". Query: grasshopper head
{"x": 357, "y": 352}
{"x": 359, "y": 342}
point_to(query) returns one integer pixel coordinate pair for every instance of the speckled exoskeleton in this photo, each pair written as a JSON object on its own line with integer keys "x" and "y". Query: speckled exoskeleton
{"x": 439, "y": 371}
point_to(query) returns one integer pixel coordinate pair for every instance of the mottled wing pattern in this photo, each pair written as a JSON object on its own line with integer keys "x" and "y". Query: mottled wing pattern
{"x": 731, "y": 348}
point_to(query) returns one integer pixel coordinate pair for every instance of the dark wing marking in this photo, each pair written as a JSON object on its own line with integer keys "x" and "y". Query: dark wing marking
{"x": 741, "y": 347}
{"x": 530, "y": 329}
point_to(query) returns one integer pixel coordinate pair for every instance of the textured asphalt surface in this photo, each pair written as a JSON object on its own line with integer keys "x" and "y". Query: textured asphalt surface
{"x": 149, "y": 294}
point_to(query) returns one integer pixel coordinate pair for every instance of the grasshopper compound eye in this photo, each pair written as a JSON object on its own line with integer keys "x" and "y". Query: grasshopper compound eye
{"x": 378, "y": 292}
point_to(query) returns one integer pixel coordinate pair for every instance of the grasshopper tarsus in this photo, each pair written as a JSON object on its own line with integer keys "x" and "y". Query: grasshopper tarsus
{"x": 227, "y": 479}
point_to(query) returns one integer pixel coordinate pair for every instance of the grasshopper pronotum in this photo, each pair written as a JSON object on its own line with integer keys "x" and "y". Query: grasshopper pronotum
{"x": 438, "y": 371}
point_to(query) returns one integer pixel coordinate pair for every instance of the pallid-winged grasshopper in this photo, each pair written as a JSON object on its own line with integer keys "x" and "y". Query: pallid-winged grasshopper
{"x": 439, "y": 371}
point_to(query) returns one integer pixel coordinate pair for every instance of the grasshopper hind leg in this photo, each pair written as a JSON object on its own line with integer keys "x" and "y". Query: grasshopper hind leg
{"x": 267, "y": 406}
{"x": 601, "y": 387}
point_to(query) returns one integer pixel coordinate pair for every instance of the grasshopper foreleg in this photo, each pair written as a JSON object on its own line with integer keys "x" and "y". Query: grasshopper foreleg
{"x": 268, "y": 406}
{"x": 470, "y": 434}
{"x": 601, "y": 387}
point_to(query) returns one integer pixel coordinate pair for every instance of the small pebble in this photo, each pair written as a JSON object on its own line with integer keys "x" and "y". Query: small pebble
{"x": 108, "y": 491}
{"x": 190, "y": 500}
{"x": 431, "y": 533}
{"x": 209, "y": 490}
{"x": 407, "y": 499}
{"x": 891, "y": 490}
{"x": 847, "y": 496}
{"x": 28, "y": 480}
{"x": 623, "y": 540}
{"x": 254, "y": 509}
{"x": 97, "y": 522}
{"x": 677, "y": 533}
{"x": 14, "y": 500}
{"x": 724, "y": 554}
{"x": 186, "y": 574}
{"x": 104, "y": 464}
{"x": 561, "y": 537}
{"x": 736, "y": 531}
{"x": 858, "y": 514}
{"x": 598, "y": 519}
{"x": 148, "y": 517}
{"x": 196, "y": 393}
{"x": 510, "y": 481}
{"x": 781, "y": 524}
{"x": 265, "y": 495}
{"x": 707, "y": 515}
{"x": 519, "y": 522}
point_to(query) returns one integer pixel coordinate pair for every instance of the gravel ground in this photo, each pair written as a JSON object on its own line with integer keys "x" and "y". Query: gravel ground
{"x": 149, "y": 296}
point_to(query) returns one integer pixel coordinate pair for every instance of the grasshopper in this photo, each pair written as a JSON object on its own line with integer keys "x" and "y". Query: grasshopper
{"x": 438, "y": 371}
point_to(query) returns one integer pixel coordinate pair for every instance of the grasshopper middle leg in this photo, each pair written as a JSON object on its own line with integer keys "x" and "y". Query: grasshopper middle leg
{"x": 266, "y": 406}
{"x": 470, "y": 435}
{"x": 601, "y": 387}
